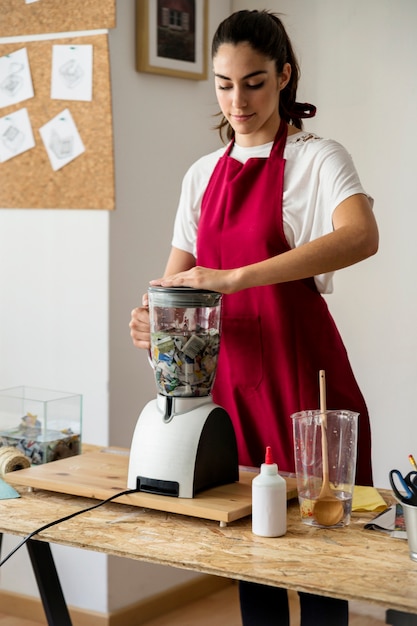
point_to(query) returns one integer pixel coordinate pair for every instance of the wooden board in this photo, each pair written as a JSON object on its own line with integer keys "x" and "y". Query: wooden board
{"x": 102, "y": 473}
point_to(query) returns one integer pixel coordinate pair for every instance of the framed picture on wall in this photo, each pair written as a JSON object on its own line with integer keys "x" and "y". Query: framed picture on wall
{"x": 171, "y": 37}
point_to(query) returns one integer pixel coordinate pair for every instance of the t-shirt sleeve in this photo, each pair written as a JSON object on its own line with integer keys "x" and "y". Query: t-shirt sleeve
{"x": 326, "y": 174}
{"x": 187, "y": 216}
{"x": 338, "y": 175}
{"x": 189, "y": 206}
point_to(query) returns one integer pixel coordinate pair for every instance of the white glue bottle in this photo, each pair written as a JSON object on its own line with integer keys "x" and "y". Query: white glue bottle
{"x": 269, "y": 500}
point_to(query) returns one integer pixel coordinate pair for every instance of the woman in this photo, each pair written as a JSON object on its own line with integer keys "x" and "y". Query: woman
{"x": 266, "y": 221}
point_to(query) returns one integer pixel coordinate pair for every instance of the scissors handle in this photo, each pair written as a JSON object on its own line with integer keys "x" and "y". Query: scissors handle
{"x": 411, "y": 480}
{"x": 408, "y": 493}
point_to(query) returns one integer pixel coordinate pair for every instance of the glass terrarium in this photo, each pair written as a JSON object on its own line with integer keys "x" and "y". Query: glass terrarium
{"x": 45, "y": 425}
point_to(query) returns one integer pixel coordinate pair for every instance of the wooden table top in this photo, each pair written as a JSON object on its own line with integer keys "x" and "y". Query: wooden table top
{"x": 350, "y": 563}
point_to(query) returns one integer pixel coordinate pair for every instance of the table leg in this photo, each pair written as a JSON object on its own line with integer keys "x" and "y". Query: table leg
{"x": 398, "y": 618}
{"x": 53, "y": 600}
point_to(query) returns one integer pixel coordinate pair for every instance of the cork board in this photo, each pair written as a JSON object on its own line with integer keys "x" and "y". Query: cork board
{"x": 28, "y": 180}
{"x": 55, "y": 16}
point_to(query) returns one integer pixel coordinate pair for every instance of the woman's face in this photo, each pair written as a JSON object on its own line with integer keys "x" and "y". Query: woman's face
{"x": 247, "y": 88}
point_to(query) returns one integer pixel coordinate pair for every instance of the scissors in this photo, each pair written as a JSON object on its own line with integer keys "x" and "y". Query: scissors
{"x": 407, "y": 493}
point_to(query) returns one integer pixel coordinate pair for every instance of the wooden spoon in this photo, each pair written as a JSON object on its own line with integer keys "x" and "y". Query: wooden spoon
{"x": 328, "y": 510}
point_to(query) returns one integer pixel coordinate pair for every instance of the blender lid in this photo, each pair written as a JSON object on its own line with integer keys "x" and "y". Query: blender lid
{"x": 184, "y": 297}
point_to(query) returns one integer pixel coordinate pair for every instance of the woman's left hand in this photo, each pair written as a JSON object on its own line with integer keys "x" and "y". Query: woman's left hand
{"x": 223, "y": 281}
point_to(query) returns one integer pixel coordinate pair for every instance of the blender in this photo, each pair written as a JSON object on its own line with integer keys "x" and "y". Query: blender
{"x": 183, "y": 442}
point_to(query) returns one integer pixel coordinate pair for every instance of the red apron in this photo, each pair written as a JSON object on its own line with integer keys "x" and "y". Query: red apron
{"x": 276, "y": 338}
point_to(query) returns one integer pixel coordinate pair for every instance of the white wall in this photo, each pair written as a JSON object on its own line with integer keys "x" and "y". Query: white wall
{"x": 54, "y": 317}
{"x": 68, "y": 279}
{"x": 161, "y": 125}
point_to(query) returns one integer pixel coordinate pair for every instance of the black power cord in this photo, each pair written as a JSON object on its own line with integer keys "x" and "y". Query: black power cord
{"x": 64, "y": 519}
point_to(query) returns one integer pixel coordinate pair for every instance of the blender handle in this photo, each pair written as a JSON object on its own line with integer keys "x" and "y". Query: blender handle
{"x": 149, "y": 350}
{"x": 150, "y": 359}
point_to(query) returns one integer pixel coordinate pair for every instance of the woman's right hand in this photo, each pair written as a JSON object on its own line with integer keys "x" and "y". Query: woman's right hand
{"x": 139, "y": 325}
{"x": 179, "y": 261}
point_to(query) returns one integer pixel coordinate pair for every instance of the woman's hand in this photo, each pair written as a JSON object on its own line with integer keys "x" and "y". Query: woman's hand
{"x": 139, "y": 325}
{"x": 222, "y": 281}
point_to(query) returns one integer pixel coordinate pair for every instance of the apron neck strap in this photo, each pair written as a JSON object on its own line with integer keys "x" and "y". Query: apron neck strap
{"x": 279, "y": 140}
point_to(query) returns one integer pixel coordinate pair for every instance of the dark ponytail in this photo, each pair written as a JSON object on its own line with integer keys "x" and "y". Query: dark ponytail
{"x": 266, "y": 34}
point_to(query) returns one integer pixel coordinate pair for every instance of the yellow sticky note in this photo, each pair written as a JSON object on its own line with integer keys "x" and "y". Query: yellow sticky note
{"x": 367, "y": 499}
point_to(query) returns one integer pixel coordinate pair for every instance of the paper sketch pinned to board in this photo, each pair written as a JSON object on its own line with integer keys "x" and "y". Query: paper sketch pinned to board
{"x": 62, "y": 140}
{"x": 15, "y": 78}
{"x": 16, "y": 135}
{"x": 72, "y": 72}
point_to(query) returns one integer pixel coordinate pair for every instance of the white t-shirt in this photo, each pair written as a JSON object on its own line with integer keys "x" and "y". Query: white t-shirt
{"x": 319, "y": 174}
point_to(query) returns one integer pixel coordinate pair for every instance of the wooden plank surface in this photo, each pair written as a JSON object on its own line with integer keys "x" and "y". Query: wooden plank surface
{"x": 102, "y": 473}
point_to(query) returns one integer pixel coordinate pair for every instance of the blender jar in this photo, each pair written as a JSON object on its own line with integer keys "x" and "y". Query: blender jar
{"x": 185, "y": 339}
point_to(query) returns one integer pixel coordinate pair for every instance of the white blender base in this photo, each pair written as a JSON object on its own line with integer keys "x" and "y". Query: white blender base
{"x": 182, "y": 446}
